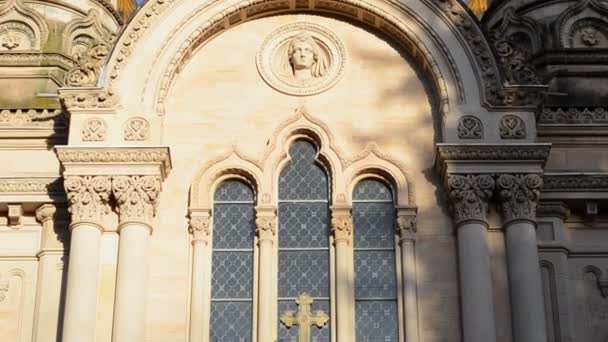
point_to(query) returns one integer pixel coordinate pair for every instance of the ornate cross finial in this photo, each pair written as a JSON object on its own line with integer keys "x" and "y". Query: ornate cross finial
{"x": 304, "y": 318}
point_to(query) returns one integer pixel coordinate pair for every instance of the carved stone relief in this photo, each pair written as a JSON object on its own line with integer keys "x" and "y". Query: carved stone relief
{"x": 89, "y": 65}
{"x": 301, "y": 59}
{"x": 94, "y": 129}
{"x": 15, "y": 36}
{"x": 588, "y": 33}
{"x": 136, "y": 129}
{"x": 512, "y": 127}
{"x": 81, "y": 34}
{"x": 469, "y": 195}
{"x": 470, "y": 127}
{"x": 574, "y": 116}
{"x": 519, "y": 195}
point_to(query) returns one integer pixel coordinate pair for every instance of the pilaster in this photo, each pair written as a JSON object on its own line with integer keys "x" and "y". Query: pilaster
{"x": 406, "y": 230}
{"x": 199, "y": 227}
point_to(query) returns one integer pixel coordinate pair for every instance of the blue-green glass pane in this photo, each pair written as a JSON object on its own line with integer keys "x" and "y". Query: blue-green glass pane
{"x": 376, "y": 321}
{"x": 303, "y": 178}
{"x": 231, "y": 322}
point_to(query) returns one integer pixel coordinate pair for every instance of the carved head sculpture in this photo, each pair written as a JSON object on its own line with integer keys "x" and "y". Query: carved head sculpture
{"x": 305, "y": 57}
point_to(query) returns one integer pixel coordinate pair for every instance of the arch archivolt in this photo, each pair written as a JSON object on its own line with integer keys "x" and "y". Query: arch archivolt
{"x": 262, "y": 175}
{"x": 425, "y": 30}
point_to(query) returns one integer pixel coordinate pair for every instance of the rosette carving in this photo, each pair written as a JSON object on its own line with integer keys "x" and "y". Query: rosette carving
{"x": 469, "y": 195}
{"x": 136, "y": 197}
{"x": 342, "y": 227}
{"x": 88, "y": 197}
{"x": 200, "y": 228}
{"x": 519, "y": 195}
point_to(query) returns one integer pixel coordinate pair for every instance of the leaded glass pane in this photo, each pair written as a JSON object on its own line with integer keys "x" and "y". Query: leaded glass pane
{"x": 303, "y": 178}
{"x": 232, "y": 274}
{"x": 375, "y": 267}
{"x": 376, "y": 321}
{"x": 375, "y": 274}
{"x": 232, "y": 263}
{"x": 317, "y": 334}
{"x": 303, "y": 237}
{"x": 231, "y": 321}
{"x": 303, "y": 224}
{"x": 304, "y": 271}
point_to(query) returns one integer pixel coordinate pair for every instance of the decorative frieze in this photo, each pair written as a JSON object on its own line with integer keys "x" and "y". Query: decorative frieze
{"x": 200, "y": 228}
{"x": 136, "y": 198}
{"x": 88, "y": 99}
{"x": 469, "y": 195}
{"x": 88, "y": 198}
{"x": 44, "y": 185}
{"x": 519, "y": 195}
{"x": 577, "y": 181}
{"x": 31, "y": 117}
{"x": 448, "y": 152}
{"x": 574, "y": 116}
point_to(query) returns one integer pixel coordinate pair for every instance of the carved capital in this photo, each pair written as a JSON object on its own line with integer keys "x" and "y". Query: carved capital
{"x": 45, "y": 213}
{"x": 266, "y": 227}
{"x": 406, "y": 226}
{"x": 88, "y": 198}
{"x": 469, "y": 195}
{"x": 200, "y": 228}
{"x": 342, "y": 225}
{"x": 519, "y": 194}
{"x": 136, "y": 198}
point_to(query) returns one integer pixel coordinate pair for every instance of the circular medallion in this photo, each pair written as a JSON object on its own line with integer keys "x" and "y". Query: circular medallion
{"x": 301, "y": 59}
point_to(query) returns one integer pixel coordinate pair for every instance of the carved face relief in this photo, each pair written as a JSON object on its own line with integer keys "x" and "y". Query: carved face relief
{"x": 301, "y": 59}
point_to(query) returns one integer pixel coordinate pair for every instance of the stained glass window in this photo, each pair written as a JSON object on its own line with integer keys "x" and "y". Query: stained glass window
{"x": 376, "y": 311}
{"x": 232, "y": 270}
{"x": 303, "y": 237}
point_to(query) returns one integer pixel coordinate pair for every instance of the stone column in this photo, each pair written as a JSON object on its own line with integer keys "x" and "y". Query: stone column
{"x": 200, "y": 229}
{"x": 342, "y": 229}
{"x": 469, "y": 196}
{"x": 266, "y": 230}
{"x": 88, "y": 201}
{"x": 406, "y": 229}
{"x": 50, "y": 261}
{"x": 519, "y": 195}
{"x": 136, "y": 199}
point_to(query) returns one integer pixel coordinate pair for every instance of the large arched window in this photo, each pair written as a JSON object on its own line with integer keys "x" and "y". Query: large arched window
{"x": 376, "y": 300}
{"x": 232, "y": 263}
{"x": 303, "y": 236}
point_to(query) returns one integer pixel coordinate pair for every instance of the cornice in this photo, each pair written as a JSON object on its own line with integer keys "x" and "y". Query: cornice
{"x": 142, "y": 160}
{"x": 36, "y": 59}
{"x": 574, "y": 116}
{"x": 31, "y": 185}
{"x": 491, "y": 158}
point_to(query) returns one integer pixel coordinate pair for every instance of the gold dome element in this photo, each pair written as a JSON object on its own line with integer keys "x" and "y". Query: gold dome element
{"x": 126, "y": 8}
{"x": 478, "y": 7}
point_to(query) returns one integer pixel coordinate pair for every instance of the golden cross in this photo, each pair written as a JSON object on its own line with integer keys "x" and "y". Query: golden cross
{"x": 304, "y": 318}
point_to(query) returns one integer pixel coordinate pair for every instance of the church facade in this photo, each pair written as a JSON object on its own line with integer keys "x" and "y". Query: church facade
{"x": 304, "y": 170}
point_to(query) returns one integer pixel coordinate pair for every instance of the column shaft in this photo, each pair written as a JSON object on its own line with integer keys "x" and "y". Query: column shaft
{"x": 477, "y": 307}
{"x": 410, "y": 291}
{"x": 197, "y": 300}
{"x": 527, "y": 307}
{"x": 345, "y": 292}
{"x": 81, "y": 295}
{"x": 266, "y": 230}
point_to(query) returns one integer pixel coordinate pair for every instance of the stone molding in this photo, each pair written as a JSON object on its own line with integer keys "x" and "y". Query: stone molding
{"x": 88, "y": 198}
{"x": 31, "y": 185}
{"x": 136, "y": 198}
{"x": 469, "y": 196}
{"x": 84, "y": 99}
{"x": 519, "y": 195}
{"x": 342, "y": 224}
{"x": 448, "y": 152}
{"x": 553, "y": 209}
{"x": 32, "y": 117}
{"x": 575, "y": 181}
{"x": 35, "y": 59}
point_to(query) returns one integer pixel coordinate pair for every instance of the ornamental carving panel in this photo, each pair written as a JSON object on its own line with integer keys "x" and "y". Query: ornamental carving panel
{"x": 94, "y": 129}
{"x": 470, "y": 127}
{"x": 15, "y": 36}
{"x": 136, "y": 129}
{"x": 512, "y": 127}
{"x": 301, "y": 59}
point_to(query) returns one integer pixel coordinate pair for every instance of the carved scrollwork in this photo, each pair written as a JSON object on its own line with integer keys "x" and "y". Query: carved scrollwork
{"x": 89, "y": 65}
{"x": 512, "y": 127}
{"x": 469, "y": 195}
{"x": 88, "y": 197}
{"x": 200, "y": 228}
{"x": 136, "y": 129}
{"x": 470, "y": 127}
{"x": 94, "y": 129}
{"x": 136, "y": 198}
{"x": 21, "y": 28}
{"x": 519, "y": 195}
